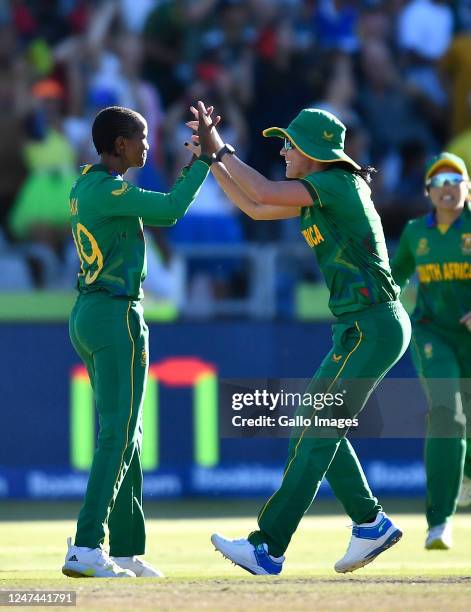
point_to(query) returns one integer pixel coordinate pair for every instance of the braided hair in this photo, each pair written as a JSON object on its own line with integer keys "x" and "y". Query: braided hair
{"x": 365, "y": 172}
{"x": 112, "y": 122}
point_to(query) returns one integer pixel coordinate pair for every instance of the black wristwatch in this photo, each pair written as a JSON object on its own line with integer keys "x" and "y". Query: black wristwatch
{"x": 227, "y": 148}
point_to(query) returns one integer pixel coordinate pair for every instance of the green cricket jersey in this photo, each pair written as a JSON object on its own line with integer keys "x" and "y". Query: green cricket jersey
{"x": 345, "y": 231}
{"x": 443, "y": 265}
{"x": 107, "y": 217}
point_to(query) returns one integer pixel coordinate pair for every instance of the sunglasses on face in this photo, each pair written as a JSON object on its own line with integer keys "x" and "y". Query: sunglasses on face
{"x": 287, "y": 144}
{"x": 445, "y": 178}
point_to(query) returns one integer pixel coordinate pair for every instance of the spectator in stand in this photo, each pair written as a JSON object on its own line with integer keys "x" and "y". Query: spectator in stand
{"x": 40, "y": 213}
{"x": 425, "y": 28}
{"x": 214, "y": 221}
{"x": 386, "y": 109}
{"x": 335, "y": 24}
{"x": 407, "y": 200}
{"x": 278, "y": 61}
{"x": 229, "y": 44}
{"x": 13, "y": 100}
{"x": 134, "y": 14}
{"x": 337, "y": 87}
{"x": 164, "y": 50}
{"x": 375, "y": 22}
{"x": 456, "y": 67}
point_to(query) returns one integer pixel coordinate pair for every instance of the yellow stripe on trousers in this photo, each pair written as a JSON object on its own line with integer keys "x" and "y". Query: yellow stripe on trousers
{"x": 132, "y": 394}
{"x": 304, "y": 430}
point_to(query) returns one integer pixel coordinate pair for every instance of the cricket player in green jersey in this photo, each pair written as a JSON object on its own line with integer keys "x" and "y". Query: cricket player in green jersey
{"x": 108, "y": 331}
{"x": 339, "y": 222}
{"x": 438, "y": 248}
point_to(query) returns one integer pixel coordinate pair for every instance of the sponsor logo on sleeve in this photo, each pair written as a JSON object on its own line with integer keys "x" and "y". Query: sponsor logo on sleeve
{"x": 121, "y": 190}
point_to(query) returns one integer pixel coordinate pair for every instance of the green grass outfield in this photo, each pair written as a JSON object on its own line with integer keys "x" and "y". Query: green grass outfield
{"x": 404, "y": 578}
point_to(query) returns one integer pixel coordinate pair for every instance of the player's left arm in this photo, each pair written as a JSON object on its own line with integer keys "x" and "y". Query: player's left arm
{"x": 156, "y": 208}
{"x": 262, "y": 190}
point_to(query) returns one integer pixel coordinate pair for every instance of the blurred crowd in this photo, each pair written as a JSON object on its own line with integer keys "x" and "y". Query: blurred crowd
{"x": 396, "y": 72}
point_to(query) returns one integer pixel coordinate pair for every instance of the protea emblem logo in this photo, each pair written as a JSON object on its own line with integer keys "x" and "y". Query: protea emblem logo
{"x": 327, "y": 135}
{"x": 466, "y": 244}
{"x": 422, "y": 247}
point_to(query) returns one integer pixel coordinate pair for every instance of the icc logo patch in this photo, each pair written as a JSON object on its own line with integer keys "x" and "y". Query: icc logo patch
{"x": 428, "y": 350}
{"x": 143, "y": 358}
{"x": 466, "y": 244}
{"x": 422, "y": 247}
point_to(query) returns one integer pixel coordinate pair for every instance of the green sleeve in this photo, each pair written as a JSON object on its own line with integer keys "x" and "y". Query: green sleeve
{"x": 403, "y": 262}
{"x": 309, "y": 185}
{"x": 156, "y": 208}
{"x": 325, "y": 187}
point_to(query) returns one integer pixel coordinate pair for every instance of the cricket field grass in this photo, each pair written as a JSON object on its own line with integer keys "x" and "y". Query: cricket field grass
{"x": 404, "y": 578}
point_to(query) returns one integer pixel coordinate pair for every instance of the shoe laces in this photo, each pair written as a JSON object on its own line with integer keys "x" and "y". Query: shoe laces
{"x": 107, "y": 560}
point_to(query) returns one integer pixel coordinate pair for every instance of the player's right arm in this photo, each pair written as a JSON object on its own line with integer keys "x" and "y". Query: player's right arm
{"x": 156, "y": 208}
{"x": 403, "y": 262}
{"x": 251, "y": 208}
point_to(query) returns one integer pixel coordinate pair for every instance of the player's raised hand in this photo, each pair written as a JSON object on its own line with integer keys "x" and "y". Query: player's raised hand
{"x": 206, "y": 135}
{"x": 194, "y": 148}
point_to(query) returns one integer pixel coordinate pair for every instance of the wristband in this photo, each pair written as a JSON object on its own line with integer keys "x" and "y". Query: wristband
{"x": 227, "y": 148}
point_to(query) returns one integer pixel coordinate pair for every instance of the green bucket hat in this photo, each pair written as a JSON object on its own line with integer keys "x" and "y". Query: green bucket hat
{"x": 446, "y": 159}
{"x": 317, "y": 134}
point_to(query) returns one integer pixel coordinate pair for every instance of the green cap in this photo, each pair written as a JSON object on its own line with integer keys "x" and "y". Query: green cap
{"x": 317, "y": 134}
{"x": 446, "y": 159}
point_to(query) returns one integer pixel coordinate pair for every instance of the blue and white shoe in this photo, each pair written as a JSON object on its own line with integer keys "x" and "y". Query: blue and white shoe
{"x": 254, "y": 559}
{"x": 368, "y": 541}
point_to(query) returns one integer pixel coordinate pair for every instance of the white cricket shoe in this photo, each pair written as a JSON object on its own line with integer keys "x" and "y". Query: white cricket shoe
{"x": 368, "y": 541}
{"x": 254, "y": 559}
{"x": 439, "y": 537}
{"x": 464, "y": 499}
{"x": 82, "y": 562}
{"x": 141, "y": 568}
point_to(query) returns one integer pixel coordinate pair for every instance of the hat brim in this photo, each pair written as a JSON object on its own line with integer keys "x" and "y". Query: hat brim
{"x": 440, "y": 163}
{"x": 307, "y": 148}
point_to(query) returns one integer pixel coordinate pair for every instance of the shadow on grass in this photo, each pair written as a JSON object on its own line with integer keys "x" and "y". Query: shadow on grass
{"x": 184, "y": 508}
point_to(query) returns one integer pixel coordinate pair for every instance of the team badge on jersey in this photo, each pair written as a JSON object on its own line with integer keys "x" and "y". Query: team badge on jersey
{"x": 466, "y": 244}
{"x": 422, "y": 247}
{"x": 428, "y": 350}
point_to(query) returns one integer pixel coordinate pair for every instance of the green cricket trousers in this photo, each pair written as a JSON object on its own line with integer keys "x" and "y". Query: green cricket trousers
{"x": 443, "y": 361}
{"x": 366, "y": 345}
{"x": 111, "y": 338}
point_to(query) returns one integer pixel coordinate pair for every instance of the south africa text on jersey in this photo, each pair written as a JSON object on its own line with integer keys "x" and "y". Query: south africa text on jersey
{"x": 313, "y": 235}
{"x": 448, "y": 271}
